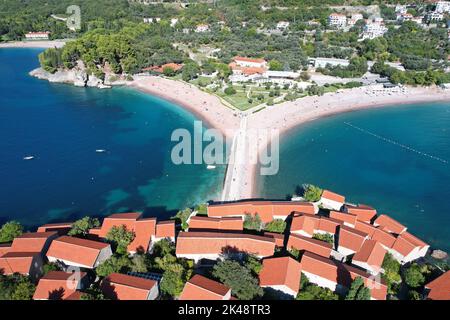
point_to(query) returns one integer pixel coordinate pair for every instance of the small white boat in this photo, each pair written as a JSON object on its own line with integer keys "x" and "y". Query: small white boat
{"x": 210, "y": 167}
{"x": 100, "y": 150}
{"x": 28, "y": 158}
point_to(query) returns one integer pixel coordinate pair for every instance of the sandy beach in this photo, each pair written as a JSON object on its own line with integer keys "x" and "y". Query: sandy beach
{"x": 34, "y": 44}
{"x": 207, "y": 107}
{"x": 241, "y": 179}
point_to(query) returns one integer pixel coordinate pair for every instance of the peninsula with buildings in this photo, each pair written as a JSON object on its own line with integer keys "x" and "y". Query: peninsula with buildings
{"x": 322, "y": 249}
{"x": 257, "y": 65}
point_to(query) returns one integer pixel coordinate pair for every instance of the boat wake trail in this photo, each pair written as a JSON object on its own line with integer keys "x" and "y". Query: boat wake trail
{"x": 398, "y": 144}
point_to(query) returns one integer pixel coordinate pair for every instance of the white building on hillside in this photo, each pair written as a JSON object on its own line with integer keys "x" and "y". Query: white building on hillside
{"x": 173, "y": 22}
{"x": 435, "y": 16}
{"x": 37, "y": 35}
{"x": 202, "y": 28}
{"x": 282, "y": 25}
{"x": 337, "y": 20}
{"x": 323, "y": 62}
{"x": 373, "y": 30}
{"x": 443, "y": 6}
{"x": 354, "y": 18}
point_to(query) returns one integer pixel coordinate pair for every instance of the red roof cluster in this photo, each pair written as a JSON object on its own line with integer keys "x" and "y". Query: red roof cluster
{"x": 144, "y": 229}
{"x": 208, "y": 223}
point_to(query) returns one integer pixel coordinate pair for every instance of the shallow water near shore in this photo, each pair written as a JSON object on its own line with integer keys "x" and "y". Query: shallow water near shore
{"x": 395, "y": 159}
{"x": 62, "y": 127}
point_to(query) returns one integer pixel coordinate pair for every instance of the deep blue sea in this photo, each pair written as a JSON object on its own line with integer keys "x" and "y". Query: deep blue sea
{"x": 63, "y": 126}
{"x": 395, "y": 159}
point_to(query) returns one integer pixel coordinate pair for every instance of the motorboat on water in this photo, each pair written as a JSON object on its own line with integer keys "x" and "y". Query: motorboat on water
{"x": 28, "y": 158}
{"x": 210, "y": 167}
{"x": 100, "y": 150}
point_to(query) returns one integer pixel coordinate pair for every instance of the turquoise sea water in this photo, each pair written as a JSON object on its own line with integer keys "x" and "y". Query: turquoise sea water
{"x": 349, "y": 154}
{"x": 62, "y": 126}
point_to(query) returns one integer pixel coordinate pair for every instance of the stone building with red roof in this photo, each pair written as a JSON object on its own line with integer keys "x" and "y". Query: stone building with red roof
{"x": 439, "y": 288}
{"x": 119, "y": 286}
{"x": 302, "y": 243}
{"x": 281, "y": 274}
{"x": 267, "y": 210}
{"x": 78, "y": 252}
{"x": 331, "y": 200}
{"x": 59, "y": 285}
{"x": 208, "y": 223}
{"x": 213, "y": 245}
{"x": 370, "y": 256}
{"x": 202, "y": 288}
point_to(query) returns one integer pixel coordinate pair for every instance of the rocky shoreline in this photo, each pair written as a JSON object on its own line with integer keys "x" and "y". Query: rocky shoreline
{"x": 78, "y": 77}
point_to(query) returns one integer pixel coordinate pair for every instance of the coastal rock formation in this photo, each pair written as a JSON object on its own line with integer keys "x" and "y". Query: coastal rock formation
{"x": 78, "y": 77}
{"x": 439, "y": 254}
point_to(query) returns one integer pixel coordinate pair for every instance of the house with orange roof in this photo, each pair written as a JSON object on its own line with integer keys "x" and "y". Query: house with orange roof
{"x": 125, "y": 287}
{"x": 59, "y": 285}
{"x": 365, "y": 227}
{"x": 281, "y": 274}
{"x": 250, "y": 62}
{"x": 25, "y": 254}
{"x": 78, "y": 252}
{"x": 363, "y": 212}
{"x": 267, "y": 210}
{"x": 26, "y": 263}
{"x": 213, "y": 245}
{"x": 370, "y": 256}
{"x": 328, "y": 226}
{"x": 331, "y": 200}
{"x": 305, "y": 225}
{"x": 346, "y": 218}
{"x": 338, "y": 276}
{"x": 302, "y": 243}
{"x": 202, "y": 288}
{"x": 439, "y": 288}
{"x": 61, "y": 228}
{"x": 33, "y": 242}
{"x": 165, "y": 230}
{"x": 388, "y": 224}
{"x": 386, "y": 239}
{"x": 160, "y": 69}
{"x": 350, "y": 240}
{"x": 407, "y": 248}
{"x": 146, "y": 230}
{"x": 208, "y": 223}
{"x": 278, "y": 237}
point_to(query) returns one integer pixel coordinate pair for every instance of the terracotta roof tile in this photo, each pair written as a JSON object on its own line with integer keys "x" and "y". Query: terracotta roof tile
{"x": 389, "y": 224}
{"x": 302, "y": 243}
{"x": 202, "y": 288}
{"x": 440, "y": 287}
{"x": 57, "y": 285}
{"x": 125, "y": 287}
{"x": 282, "y": 271}
{"x": 333, "y": 196}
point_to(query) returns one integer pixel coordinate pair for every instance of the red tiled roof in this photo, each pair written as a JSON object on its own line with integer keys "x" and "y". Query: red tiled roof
{"x": 76, "y": 250}
{"x": 389, "y": 224}
{"x": 385, "y": 238}
{"x": 33, "y": 241}
{"x": 61, "y": 228}
{"x": 4, "y": 248}
{"x": 20, "y": 262}
{"x": 143, "y": 229}
{"x": 344, "y": 217}
{"x": 282, "y": 271}
{"x": 440, "y": 287}
{"x": 301, "y": 243}
{"x": 305, "y": 223}
{"x": 333, "y": 196}
{"x": 160, "y": 69}
{"x": 362, "y": 211}
{"x": 254, "y": 60}
{"x": 217, "y": 242}
{"x": 165, "y": 229}
{"x": 329, "y": 225}
{"x": 351, "y": 238}
{"x": 365, "y": 227}
{"x": 371, "y": 253}
{"x": 57, "y": 285}
{"x": 341, "y": 273}
{"x": 265, "y": 209}
{"x": 279, "y": 238}
{"x": 125, "y": 287}
{"x": 202, "y": 288}
{"x": 226, "y": 223}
